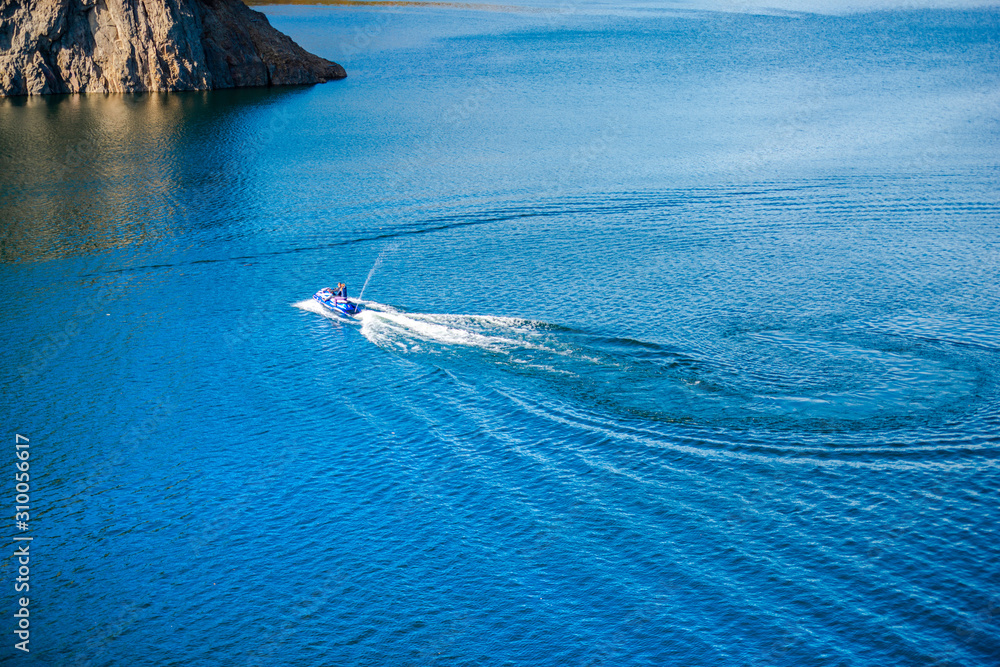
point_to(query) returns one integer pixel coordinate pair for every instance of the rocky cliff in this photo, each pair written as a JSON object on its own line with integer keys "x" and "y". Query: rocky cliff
{"x": 91, "y": 46}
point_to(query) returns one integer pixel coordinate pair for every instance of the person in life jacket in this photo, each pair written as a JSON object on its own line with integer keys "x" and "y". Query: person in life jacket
{"x": 341, "y": 290}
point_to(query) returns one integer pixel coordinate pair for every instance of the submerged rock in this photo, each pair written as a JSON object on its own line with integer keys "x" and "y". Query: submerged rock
{"x": 97, "y": 46}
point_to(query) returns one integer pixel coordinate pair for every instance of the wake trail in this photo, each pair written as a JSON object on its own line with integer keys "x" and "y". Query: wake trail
{"x": 777, "y": 385}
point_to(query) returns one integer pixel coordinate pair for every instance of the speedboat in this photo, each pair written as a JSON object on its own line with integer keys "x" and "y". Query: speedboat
{"x": 337, "y": 304}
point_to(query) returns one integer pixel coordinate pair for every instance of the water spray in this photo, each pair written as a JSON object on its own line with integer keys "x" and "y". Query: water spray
{"x": 375, "y": 267}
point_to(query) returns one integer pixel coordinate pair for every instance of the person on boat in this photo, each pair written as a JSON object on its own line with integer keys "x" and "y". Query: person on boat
{"x": 341, "y": 290}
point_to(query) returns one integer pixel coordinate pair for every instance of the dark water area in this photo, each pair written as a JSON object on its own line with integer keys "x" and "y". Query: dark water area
{"x": 680, "y": 347}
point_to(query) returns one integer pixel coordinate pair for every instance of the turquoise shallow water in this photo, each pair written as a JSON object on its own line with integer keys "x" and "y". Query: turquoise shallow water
{"x": 681, "y": 347}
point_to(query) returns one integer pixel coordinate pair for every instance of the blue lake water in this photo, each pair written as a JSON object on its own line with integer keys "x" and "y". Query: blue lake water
{"x": 681, "y": 347}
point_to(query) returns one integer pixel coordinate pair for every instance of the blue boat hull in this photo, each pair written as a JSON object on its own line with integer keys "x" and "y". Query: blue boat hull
{"x": 337, "y": 304}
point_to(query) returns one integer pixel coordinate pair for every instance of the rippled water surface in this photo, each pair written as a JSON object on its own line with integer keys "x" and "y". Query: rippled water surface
{"x": 680, "y": 346}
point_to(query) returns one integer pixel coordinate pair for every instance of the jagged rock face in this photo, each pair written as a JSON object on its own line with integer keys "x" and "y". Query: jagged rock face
{"x": 89, "y": 46}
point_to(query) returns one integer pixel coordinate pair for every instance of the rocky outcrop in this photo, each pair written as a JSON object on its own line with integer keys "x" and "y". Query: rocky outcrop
{"x": 91, "y": 46}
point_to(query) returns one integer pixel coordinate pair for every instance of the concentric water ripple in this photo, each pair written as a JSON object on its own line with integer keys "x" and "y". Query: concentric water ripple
{"x": 792, "y": 393}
